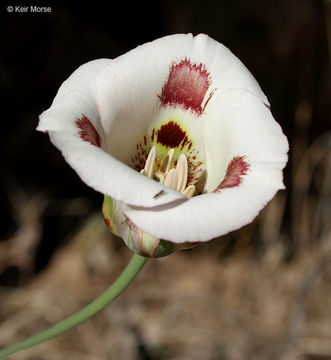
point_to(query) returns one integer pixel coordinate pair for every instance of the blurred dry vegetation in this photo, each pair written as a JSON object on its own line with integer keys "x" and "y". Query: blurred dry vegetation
{"x": 263, "y": 292}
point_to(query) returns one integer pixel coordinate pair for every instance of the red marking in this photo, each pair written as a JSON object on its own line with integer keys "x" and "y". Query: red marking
{"x": 209, "y": 97}
{"x": 187, "y": 85}
{"x": 87, "y": 131}
{"x": 171, "y": 135}
{"x": 107, "y": 221}
{"x": 140, "y": 157}
{"x": 234, "y": 172}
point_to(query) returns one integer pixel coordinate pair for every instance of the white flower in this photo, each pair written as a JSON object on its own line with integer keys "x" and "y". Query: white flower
{"x": 179, "y": 137}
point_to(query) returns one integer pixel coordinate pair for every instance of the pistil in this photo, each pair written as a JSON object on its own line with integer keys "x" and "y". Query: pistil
{"x": 167, "y": 174}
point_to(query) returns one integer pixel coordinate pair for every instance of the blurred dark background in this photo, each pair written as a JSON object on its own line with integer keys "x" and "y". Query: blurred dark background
{"x": 43, "y": 204}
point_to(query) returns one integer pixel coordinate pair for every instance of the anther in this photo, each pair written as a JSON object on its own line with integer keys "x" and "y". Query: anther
{"x": 159, "y": 177}
{"x": 182, "y": 169}
{"x": 174, "y": 178}
{"x": 171, "y": 179}
{"x": 167, "y": 161}
{"x": 189, "y": 191}
{"x": 150, "y": 162}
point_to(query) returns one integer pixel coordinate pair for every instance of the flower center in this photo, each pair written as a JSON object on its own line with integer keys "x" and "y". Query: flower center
{"x": 171, "y": 174}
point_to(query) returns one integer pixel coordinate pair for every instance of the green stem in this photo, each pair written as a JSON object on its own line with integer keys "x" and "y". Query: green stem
{"x": 122, "y": 282}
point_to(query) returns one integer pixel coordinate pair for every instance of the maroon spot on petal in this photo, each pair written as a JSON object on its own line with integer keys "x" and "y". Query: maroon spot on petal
{"x": 138, "y": 161}
{"x": 234, "y": 172}
{"x": 171, "y": 135}
{"x": 209, "y": 97}
{"x": 87, "y": 131}
{"x": 187, "y": 85}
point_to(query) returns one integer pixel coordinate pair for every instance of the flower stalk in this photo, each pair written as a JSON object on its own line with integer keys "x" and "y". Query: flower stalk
{"x": 121, "y": 283}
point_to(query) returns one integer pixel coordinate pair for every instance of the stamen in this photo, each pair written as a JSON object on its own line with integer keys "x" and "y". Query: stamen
{"x": 150, "y": 162}
{"x": 174, "y": 178}
{"x": 182, "y": 169}
{"x": 159, "y": 177}
{"x": 171, "y": 179}
{"x": 189, "y": 191}
{"x": 167, "y": 161}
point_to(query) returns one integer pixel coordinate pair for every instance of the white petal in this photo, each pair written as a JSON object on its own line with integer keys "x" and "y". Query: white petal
{"x": 96, "y": 167}
{"x": 127, "y": 89}
{"x": 75, "y": 92}
{"x": 109, "y": 176}
{"x": 226, "y": 70}
{"x": 206, "y": 216}
{"x": 242, "y": 125}
{"x": 238, "y": 124}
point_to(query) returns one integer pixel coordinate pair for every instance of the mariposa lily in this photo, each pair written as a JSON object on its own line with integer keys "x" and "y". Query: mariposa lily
{"x": 178, "y": 136}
